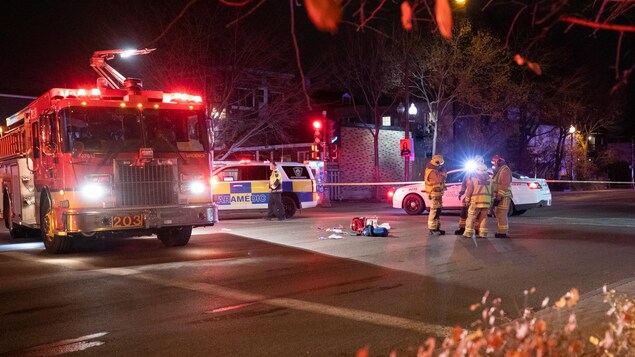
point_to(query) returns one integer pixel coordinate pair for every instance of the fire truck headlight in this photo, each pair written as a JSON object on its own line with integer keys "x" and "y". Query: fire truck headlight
{"x": 93, "y": 191}
{"x": 196, "y": 187}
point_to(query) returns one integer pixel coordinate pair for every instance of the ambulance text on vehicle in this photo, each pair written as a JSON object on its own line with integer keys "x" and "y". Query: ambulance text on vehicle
{"x": 244, "y": 187}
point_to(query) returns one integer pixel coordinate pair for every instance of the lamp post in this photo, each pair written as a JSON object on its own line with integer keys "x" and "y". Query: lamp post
{"x": 412, "y": 111}
{"x": 406, "y": 168}
{"x": 571, "y": 176}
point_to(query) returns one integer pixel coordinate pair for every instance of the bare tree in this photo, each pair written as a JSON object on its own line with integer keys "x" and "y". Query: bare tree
{"x": 367, "y": 67}
{"x": 467, "y": 76}
{"x": 242, "y": 72}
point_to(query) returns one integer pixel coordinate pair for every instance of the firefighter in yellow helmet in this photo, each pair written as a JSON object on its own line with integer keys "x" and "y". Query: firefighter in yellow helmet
{"x": 434, "y": 178}
{"x": 479, "y": 198}
{"x": 477, "y": 160}
{"x": 502, "y": 188}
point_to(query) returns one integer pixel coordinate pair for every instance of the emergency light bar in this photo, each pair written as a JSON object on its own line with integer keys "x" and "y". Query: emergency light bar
{"x": 96, "y": 93}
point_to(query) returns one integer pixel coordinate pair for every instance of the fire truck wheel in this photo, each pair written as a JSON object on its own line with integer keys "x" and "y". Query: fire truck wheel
{"x": 175, "y": 237}
{"x": 52, "y": 242}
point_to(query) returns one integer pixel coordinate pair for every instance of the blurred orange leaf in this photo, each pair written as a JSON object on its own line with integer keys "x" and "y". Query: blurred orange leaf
{"x": 456, "y": 334}
{"x": 406, "y": 15}
{"x": 519, "y": 59}
{"x": 444, "y": 18}
{"x": 534, "y": 67}
{"x": 574, "y": 295}
{"x": 540, "y": 326}
{"x": 325, "y": 14}
{"x": 362, "y": 352}
{"x": 569, "y": 299}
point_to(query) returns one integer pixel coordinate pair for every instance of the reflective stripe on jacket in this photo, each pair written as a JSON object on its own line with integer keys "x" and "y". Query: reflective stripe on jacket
{"x": 503, "y": 181}
{"x": 275, "y": 183}
{"x": 434, "y": 181}
{"x": 479, "y": 191}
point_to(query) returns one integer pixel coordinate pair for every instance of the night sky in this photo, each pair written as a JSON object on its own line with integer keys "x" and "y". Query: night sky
{"x": 48, "y": 43}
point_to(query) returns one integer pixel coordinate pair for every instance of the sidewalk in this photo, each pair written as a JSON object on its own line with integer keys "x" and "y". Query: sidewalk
{"x": 590, "y": 311}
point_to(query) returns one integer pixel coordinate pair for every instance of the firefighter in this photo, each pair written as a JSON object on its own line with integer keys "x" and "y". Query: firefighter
{"x": 478, "y": 160}
{"x": 434, "y": 177}
{"x": 275, "y": 206}
{"x": 502, "y": 182}
{"x": 479, "y": 198}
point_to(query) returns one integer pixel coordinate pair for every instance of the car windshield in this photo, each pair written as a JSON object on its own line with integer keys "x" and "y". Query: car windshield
{"x": 455, "y": 176}
{"x": 112, "y": 130}
{"x": 519, "y": 176}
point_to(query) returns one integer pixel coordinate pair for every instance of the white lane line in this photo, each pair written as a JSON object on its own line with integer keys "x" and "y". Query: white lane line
{"x": 64, "y": 346}
{"x": 216, "y": 290}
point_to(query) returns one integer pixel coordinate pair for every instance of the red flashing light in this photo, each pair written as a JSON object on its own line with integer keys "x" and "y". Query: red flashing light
{"x": 317, "y": 124}
{"x": 534, "y": 185}
{"x": 244, "y": 161}
{"x": 391, "y": 193}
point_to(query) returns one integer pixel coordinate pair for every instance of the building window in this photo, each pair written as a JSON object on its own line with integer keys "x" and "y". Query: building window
{"x": 261, "y": 96}
{"x": 246, "y": 98}
{"x": 386, "y": 121}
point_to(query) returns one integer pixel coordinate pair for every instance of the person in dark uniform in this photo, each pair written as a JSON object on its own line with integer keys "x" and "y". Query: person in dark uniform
{"x": 275, "y": 206}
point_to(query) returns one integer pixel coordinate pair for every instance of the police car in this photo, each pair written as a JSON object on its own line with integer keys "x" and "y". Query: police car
{"x": 527, "y": 193}
{"x": 244, "y": 187}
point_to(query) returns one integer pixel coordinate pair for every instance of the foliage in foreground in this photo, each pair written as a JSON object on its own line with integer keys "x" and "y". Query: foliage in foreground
{"x": 495, "y": 334}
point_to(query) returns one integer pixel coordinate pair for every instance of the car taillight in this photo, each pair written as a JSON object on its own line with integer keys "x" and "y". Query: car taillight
{"x": 534, "y": 185}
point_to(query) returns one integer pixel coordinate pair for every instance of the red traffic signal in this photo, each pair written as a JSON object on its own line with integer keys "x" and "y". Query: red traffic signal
{"x": 317, "y": 124}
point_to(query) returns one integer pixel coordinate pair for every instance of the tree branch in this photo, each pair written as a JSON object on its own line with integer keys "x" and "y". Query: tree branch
{"x": 297, "y": 56}
{"x": 598, "y": 25}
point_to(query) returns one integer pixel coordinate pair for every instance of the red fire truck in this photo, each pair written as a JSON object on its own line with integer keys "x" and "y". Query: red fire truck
{"x": 115, "y": 160}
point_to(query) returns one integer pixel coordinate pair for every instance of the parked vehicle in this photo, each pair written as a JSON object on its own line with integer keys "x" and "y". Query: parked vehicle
{"x": 245, "y": 187}
{"x": 528, "y": 193}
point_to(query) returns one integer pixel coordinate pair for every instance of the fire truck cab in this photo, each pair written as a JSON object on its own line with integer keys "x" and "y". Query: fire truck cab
{"x": 107, "y": 162}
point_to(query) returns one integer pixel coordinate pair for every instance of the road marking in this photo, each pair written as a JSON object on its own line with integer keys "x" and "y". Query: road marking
{"x": 601, "y": 222}
{"x": 251, "y": 298}
{"x": 63, "y": 346}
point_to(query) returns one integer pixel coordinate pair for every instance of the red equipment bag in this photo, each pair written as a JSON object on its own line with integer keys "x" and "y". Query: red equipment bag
{"x": 358, "y": 224}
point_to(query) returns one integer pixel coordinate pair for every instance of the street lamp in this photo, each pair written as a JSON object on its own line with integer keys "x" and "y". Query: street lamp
{"x": 571, "y": 176}
{"x": 412, "y": 110}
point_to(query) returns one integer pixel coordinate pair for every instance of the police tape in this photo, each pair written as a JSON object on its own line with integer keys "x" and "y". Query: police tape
{"x": 404, "y": 183}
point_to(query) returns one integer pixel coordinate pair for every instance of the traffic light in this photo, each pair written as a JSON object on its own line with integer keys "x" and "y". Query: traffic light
{"x": 334, "y": 132}
{"x": 315, "y": 148}
{"x": 315, "y": 152}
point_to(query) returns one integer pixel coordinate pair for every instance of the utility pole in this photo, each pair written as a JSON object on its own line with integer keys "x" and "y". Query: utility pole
{"x": 633, "y": 162}
{"x": 326, "y": 200}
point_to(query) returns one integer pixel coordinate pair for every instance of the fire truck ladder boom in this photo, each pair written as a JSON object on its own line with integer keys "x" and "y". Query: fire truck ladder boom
{"x": 115, "y": 79}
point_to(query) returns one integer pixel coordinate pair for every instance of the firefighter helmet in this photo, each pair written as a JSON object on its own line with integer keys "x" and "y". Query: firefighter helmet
{"x": 437, "y": 160}
{"x": 496, "y": 159}
{"x": 481, "y": 168}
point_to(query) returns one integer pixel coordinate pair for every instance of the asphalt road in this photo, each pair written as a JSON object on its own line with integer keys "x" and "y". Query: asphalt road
{"x": 253, "y": 287}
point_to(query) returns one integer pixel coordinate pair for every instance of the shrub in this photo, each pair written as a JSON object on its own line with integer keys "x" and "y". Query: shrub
{"x": 495, "y": 334}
